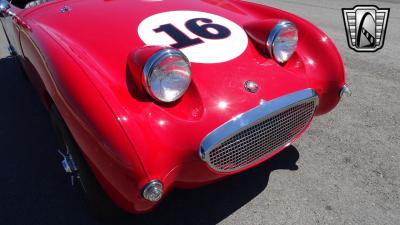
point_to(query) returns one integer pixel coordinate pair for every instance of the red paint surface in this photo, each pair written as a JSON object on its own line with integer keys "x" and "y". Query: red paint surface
{"x": 126, "y": 137}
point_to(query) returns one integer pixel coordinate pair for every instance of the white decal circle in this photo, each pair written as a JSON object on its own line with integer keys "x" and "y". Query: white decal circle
{"x": 202, "y": 37}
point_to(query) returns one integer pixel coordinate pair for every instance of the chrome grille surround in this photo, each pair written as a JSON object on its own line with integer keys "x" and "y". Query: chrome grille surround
{"x": 251, "y": 136}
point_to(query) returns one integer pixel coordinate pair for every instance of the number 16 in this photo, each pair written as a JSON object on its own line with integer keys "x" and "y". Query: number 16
{"x": 183, "y": 41}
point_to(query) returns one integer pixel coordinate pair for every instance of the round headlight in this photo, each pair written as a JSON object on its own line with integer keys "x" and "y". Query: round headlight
{"x": 153, "y": 191}
{"x": 282, "y": 41}
{"x": 167, "y": 75}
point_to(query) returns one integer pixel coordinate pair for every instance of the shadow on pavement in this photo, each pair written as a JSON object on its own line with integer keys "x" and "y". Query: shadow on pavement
{"x": 213, "y": 203}
{"x": 34, "y": 189}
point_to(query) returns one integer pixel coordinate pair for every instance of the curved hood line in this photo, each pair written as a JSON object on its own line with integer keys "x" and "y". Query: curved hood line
{"x": 87, "y": 65}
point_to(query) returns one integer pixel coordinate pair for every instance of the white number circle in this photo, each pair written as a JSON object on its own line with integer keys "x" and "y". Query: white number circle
{"x": 204, "y": 49}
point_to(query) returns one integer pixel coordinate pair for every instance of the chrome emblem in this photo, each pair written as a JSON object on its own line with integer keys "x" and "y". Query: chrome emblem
{"x": 251, "y": 86}
{"x": 365, "y": 27}
{"x": 65, "y": 9}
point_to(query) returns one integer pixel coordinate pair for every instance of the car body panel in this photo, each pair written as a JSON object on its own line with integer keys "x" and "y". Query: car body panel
{"x": 79, "y": 58}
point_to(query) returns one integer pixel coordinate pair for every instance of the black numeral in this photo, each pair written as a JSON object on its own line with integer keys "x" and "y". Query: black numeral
{"x": 181, "y": 39}
{"x": 204, "y": 30}
{"x": 207, "y": 30}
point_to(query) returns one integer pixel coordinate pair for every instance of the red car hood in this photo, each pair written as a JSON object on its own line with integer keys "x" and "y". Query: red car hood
{"x": 100, "y": 34}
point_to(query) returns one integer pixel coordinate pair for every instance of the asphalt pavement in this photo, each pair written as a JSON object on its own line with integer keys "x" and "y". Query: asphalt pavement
{"x": 3, "y": 44}
{"x": 344, "y": 170}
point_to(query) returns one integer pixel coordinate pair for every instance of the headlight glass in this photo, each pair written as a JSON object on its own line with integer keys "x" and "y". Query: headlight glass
{"x": 282, "y": 41}
{"x": 153, "y": 191}
{"x": 167, "y": 75}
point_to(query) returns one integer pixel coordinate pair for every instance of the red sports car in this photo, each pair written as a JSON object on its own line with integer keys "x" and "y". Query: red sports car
{"x": 147, "y": 95}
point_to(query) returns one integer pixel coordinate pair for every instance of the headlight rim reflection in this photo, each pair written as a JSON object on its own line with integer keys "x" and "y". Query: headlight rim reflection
{"x": 280, "y": 27}
{"x": 154, "y": 61}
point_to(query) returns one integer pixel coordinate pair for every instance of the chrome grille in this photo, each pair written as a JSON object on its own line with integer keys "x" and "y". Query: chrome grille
{"x": 258, "y": 139}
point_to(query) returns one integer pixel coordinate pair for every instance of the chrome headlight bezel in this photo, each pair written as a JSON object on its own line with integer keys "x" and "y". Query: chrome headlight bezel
{"x": 278, "y": 29}
{"x": 153, "y": 62}
{"x": 153, "y": 191}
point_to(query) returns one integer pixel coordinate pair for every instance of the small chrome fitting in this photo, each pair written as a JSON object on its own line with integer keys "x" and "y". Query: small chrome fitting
{"x": 68, "y": 163}
{"x": 70, "y": 167}
{"x": 345, "y": 91}
{"x": 153, "y": 191}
